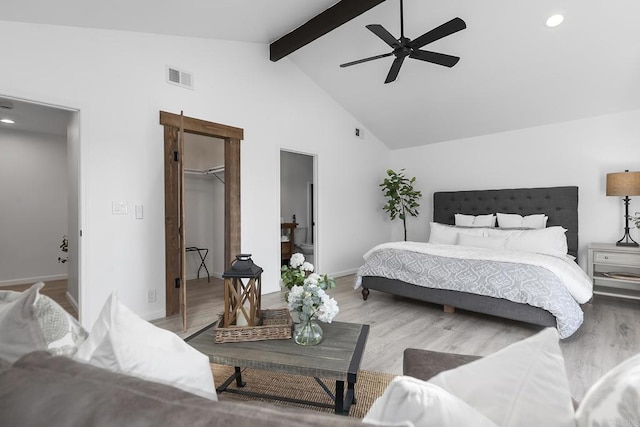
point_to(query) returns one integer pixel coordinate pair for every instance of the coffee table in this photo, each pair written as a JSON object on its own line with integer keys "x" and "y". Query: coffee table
{"x": 337, "y": 358}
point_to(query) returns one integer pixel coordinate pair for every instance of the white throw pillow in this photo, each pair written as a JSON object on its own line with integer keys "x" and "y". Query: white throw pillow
{"x": 519, "y": 221}
{"x": 614, "y": 400}
{"x": 61, "y": 332}
{"x": 409, "y": 400}
{"x": 524, "y": 384}
{"x": 444, "y": 234}
{"x": 496, "y": 243}
{"x": 548, "y": 241}
{"x": 121, "y": 341}
{"x": 475, "y": 220}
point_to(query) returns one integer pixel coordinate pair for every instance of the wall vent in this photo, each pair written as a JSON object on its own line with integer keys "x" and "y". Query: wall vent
{"x": 179, "y": 77}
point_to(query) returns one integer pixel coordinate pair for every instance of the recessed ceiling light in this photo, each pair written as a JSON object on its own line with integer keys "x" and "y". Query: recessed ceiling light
{"x": 9, "y": 121}
{"x": 555, "y": 20}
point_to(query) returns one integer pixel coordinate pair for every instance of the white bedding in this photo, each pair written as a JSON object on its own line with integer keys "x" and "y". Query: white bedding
{"x": 576, "y": 280}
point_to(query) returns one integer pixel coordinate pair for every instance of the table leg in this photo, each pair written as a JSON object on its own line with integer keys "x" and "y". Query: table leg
{"x": 238, "y": 375}
{"x": 339, "y": 408}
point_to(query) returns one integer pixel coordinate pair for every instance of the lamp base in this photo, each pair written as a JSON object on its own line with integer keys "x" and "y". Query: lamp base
{"x": 627, "y": 240}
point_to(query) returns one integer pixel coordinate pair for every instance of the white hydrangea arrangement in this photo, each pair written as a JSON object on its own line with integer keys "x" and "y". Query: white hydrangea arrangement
{"x": 311, "y": 301}
{"x": 300, "y": 270}
{"x": 306, "y": 290}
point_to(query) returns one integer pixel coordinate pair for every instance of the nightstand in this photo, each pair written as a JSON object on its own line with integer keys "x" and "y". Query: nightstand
{"x": 615, "y": 270}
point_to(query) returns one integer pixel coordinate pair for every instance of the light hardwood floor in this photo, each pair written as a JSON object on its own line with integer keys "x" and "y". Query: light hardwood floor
{"x": 609, "y": 335}
{"x": 55, "y": 289}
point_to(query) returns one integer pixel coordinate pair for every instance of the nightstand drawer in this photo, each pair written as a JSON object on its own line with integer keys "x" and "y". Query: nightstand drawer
{"x": 616, "y": 258}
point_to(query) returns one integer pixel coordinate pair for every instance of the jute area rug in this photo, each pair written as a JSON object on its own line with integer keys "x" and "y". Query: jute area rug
{"x": 369, "y": 387}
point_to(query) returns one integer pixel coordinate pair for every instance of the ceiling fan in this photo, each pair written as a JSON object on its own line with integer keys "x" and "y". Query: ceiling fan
{"x": 404, "y": 46}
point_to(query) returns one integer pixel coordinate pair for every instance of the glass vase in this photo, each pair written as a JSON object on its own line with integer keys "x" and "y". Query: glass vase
{"x": 307, "y": 333}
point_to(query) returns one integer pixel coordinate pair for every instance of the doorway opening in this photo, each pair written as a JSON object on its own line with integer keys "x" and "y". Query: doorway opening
{"x": 40, "y": 182}
{"x": 175, "y": 127}
{"x": 298, "y": 206}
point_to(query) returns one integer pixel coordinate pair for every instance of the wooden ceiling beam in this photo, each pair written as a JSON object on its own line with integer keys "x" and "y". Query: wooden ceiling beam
{"x": 338, "y": 14}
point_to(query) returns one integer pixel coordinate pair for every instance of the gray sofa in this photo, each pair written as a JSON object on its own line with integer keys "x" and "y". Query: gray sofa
{"x": 44, "y": 390}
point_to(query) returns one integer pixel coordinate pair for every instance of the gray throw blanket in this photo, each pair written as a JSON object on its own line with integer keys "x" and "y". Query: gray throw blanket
{"x": 515, "y": 282}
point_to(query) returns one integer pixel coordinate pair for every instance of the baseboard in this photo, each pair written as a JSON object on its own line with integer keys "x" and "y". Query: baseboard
{"x": 72, "y": 301}
{"x": 28, "y": 280}
{"x": 344, "y": 273}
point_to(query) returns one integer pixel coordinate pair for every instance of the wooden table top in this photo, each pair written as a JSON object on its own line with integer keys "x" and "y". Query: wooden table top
{"x": 337, "y": 357}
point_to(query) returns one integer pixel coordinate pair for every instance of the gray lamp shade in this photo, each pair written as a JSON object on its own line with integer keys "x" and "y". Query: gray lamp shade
{"x": 623, "y": 184}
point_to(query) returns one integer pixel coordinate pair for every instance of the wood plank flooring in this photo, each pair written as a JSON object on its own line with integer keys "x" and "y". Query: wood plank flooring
{"x": 55, "y": 289}
{"x": 609, "y": 335}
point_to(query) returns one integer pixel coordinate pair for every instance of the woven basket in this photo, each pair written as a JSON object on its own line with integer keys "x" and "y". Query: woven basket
{"x": 274, "y": 325}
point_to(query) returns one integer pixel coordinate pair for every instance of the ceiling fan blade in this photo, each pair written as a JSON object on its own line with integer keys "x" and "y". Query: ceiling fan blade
{"x": 395, "y": 69}
{"x": 453, "y": 26}
{"x": 385, "y": 35}
{"x": 371, "y": 58}
{"x": 435, "y": 57}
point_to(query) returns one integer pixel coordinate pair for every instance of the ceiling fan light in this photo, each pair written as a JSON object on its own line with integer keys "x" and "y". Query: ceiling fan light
{"x": 554, "y": 20}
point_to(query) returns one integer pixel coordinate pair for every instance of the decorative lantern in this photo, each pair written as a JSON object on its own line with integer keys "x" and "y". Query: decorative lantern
{"x": 242, "y": 300}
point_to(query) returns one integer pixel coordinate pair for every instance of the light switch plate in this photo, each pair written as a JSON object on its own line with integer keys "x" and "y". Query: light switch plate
{"x": 139, "y": 212}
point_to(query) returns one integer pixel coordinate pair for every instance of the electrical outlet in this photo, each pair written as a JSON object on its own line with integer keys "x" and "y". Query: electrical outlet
{"x": 151, "y": 295}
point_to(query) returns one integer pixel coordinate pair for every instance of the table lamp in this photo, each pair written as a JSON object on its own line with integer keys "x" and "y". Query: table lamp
{"x": 624, "y": 184}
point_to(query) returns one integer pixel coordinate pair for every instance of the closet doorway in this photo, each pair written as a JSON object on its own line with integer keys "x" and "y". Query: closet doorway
{"x": 176, "y": 126}
{"x": 298, "y": 206}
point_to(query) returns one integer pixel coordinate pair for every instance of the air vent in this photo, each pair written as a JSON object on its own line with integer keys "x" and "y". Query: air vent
{"x": 179, "y": 77}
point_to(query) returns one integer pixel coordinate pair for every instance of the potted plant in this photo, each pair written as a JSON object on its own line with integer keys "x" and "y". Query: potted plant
{"x": 402, "y": 199}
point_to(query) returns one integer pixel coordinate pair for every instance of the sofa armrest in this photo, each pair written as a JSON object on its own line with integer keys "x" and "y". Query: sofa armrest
{"x": 425, "y": 364}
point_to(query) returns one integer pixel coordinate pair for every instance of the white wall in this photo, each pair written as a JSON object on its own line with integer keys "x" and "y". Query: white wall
{"x": 578, "y": 153}
{"x": 117, "y": 81}
{"x": 33, "y": 216}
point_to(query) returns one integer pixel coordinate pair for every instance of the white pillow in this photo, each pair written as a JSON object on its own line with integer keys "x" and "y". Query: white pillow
{"x": 615, "y": 399}
{"x": 524, "y": 384}
{"x": 61, "y": 332}
{"x": 444, "y": 234}
{"x": 548, "y": 241}
{"x": 419, "y": 403}
{"x": 497, "y": 243}
{"x": 475, "y": 220}
{"x": 121, "y": 341}
{"x": 518, "y": 221}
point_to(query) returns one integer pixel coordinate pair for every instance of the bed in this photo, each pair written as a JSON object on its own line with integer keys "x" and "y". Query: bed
{"x": 560, "y": 204}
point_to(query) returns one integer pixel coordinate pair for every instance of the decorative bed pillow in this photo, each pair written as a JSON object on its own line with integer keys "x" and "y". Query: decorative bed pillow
{"x": 419, "y": 403}
{"x": 524, "y": 384}
{"x": 444, "y": 234}
{"x": 519, "y": 221}
{"x": 548, "y": 241}
{"x": 496, "y": 243}
{"x": 614, "y": 400}
{"x": 475, "y": 220}
{"x": 19, "y": 329}
{"x": 61, "y": 332}
{"x": 121, "y": 341}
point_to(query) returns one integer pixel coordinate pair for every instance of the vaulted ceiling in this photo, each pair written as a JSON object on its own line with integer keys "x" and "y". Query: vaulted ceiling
{"x": 514, "y": 71}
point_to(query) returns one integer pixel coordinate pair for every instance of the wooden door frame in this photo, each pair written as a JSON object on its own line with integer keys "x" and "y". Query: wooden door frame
{"x": 232, "y": 137}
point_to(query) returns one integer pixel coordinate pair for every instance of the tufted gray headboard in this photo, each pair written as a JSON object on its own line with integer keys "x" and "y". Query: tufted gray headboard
{"x": 559, "y": 203}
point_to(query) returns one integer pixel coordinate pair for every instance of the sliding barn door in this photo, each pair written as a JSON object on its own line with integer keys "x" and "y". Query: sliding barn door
{"x": 175, "y": 217}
